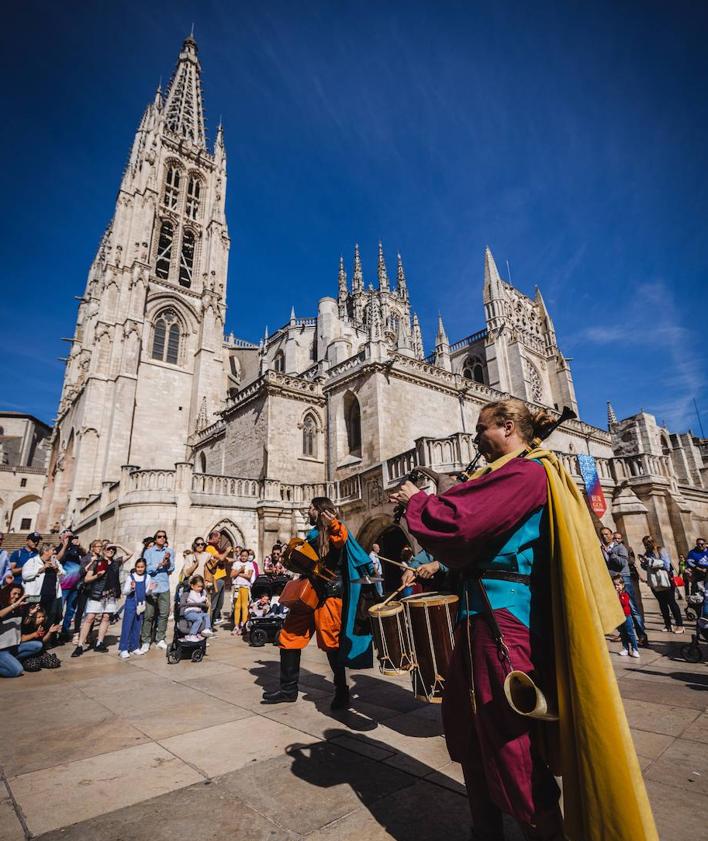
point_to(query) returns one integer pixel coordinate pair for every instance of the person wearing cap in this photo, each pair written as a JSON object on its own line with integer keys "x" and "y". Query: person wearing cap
{"x": 20, "y": 556}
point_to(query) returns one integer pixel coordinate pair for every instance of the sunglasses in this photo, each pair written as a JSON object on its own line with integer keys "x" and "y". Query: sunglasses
{"x": 200, "y": 544}
{"x": 158, "y": 536}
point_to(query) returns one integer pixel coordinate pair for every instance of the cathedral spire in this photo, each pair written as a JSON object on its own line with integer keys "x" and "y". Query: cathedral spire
{"x": 375, "y": 323}
{"x": 417, "y": 338}
{"x": 383, "y": 274}
{"x": 611, "y": 415}
{"x": 492, "y": 280}
{"x": 183, "y": 104}
{"x": 342, "y": 291}
{"x": 441, "y": 338}
{"x": 358, "y": 275}
{"x": 402, "y": 285}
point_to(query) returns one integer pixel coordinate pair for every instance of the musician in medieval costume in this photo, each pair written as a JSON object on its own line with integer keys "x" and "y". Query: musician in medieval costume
{"x": 535, "y": 597}
{"x": 334, "y": 620}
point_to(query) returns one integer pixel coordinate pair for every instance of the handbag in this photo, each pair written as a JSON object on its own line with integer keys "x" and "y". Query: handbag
{"x": 658, "y": 579}
{"x": 678, "y": 580}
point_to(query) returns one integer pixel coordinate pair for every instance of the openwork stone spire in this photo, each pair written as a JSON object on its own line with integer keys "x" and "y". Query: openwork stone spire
{"x": 611, "y": 415}
{"x": 342, "y": 280}
{"x": 184, "y": 114}
{"x": 417, "y": 338}
{"x": 382, "y": 273}
{"x": 402, "y": 285}
{"x": 358, "y": 274}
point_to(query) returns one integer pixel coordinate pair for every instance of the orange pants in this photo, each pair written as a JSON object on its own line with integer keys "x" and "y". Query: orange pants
{"x": 301, "y": 623}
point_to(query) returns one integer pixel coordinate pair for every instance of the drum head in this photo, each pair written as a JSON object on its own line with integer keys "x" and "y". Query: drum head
{"x": 430, "y": 600}
{"x": 390, "y": 609}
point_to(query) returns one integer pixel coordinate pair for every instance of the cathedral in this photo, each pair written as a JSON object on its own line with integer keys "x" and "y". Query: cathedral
{"x": 166, "y": 422}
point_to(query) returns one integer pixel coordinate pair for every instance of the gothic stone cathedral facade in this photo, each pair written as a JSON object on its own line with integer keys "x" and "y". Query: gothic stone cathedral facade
{"x": 164, "y": 421}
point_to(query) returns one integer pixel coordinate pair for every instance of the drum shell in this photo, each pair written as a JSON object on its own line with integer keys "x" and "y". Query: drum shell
{"x": 390, "y": 634}
{"x": 431, "y": 623}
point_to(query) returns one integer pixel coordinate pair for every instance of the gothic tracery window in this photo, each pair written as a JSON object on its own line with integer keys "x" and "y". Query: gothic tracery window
{"x": 164, "y": 250}
{"x": 194, "y": 189}
{"x": 166, "y": 338}
{"x": 279, "y": 362}
{"x": 473, "y": 369}
{"x": 309, "y": 440}
{"x": 535, "y": 383}
{"x": 172, "y": 185}
{"x": 186, "y": 260}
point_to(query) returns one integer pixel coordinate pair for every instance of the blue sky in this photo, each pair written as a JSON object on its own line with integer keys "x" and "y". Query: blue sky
{"x": 569, "y": 137}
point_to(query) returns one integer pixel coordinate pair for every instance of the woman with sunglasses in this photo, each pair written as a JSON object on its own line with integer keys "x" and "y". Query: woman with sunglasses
{"x": 160, "y": 560}
{"x": 195, "y": 559}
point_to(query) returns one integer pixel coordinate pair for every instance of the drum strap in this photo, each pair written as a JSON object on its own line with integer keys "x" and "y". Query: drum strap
{"x": 488, "y": 613}
{"x": 503, "y": 575}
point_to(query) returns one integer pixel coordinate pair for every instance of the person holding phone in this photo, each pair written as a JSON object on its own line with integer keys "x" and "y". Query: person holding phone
{"x": 41, "y": 576}
{"x": 13, "y": 651}
{"x": 102, "y": 581}
{"x": 160, "y": 561}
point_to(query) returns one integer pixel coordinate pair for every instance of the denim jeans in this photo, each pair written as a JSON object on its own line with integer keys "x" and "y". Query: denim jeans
{"x": 69, "y": 597}
{"x": 11, "y": 664}
{"x": 200, "y": 621}
{"x": 629, "y": 638}
{"x": 636, "y": 615}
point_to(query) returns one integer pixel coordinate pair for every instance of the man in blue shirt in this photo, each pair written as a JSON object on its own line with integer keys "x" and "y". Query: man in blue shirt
{"x": 20, "y": 556}
{"x": 160, "y": 560}
{"x": 697, "y": 564}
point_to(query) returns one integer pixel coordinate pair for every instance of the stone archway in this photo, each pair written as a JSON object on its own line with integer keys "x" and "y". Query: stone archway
{"x": 391, "y": 539}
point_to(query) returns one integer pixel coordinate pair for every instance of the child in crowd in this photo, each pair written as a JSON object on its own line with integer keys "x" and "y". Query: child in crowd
{"x": 626, "y": 630}
{"x": 196, "y": 610}
{"x": 259, "y": 607}
{"x": 135, "y": 589}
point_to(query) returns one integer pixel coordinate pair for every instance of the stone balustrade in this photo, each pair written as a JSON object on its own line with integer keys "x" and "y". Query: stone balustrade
{"x": 152, "y": 480}
{"x": 398, "y": 466}
{"x": 207, "y": 483}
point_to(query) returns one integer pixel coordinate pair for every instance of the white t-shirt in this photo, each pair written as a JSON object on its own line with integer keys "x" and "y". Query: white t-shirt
{"x": 241, "y": 580}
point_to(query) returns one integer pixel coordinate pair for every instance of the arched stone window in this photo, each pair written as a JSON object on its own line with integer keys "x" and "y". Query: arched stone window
{"x": 473, "y": 369}
{"x": 279, "y": 362}
{"x": 309, "y": 437}
{"x": 202, "y": 463}
{"x": 352, "y": 422}
{"x": 166, "y": 338}
{"x": 164, "y": 250}
{"x": 194, "y": 191}
{"x": 665, "y": 445}
{"x": 172, "y": 186}
{"x": 186, "y": 260}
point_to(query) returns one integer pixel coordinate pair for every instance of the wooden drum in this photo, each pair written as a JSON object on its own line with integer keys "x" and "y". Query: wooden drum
{"x": 388, "y": 628}
{"x": 431, "y": 624}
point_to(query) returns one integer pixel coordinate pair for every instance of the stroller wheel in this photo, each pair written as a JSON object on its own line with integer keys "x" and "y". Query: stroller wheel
{"x": 258, "y": 637}
{"x": 691, "y": 652}
{"x": 197, "y": 655}
{"x": 174, "y": 654}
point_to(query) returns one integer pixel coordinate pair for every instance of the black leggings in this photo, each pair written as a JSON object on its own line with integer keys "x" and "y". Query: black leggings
{"x": 668, "y": 606}
{"x": 80, "y": 608}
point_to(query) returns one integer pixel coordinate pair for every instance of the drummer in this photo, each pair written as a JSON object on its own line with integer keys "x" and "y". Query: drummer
{"x": 497, "y": 527}
{"x": 424, "y": 569}
{"x": 333, "y": 621}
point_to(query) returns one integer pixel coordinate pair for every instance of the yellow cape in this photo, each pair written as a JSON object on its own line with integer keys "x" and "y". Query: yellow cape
{"x": 604, "y": 797}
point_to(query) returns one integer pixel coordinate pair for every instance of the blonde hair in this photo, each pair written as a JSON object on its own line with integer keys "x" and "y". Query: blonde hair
{"x": 529, "y": 425}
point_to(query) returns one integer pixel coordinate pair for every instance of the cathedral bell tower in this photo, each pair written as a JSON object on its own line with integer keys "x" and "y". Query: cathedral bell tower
{"x": 146, "y": 355}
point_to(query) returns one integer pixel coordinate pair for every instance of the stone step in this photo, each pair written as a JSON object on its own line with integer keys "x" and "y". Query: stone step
{"x": 15, "y": 540}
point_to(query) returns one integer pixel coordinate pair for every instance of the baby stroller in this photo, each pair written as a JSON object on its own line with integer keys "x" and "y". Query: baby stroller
{"x": 180, "y": 648}
{"x": 692, "y": 652}
{"x": 260, "y": 630}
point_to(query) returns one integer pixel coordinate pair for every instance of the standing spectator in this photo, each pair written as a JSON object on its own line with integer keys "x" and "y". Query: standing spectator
{"x": 103, "y": 582}
{"x": 42, "y": 575}
{"x": 378, "y": 570}
{"x": 216, "y": 574}
{"x": 69, "y": 554}
{"x": 195, "y": 559}
{"x": 697, "y": 564}
{"x": 5, "y": 571}
{"x": 88, "y": 562}
{"x": 626, "y": 629}
{"x": 252, "y": 559}
{"x": 682, "y": 575}
{"x": 12, "y": 650}
{"x": 659, "y": 571}
{"x": 242, "y": 575}
{"x": 135, "y": 591}
{"x": 160, "y": 563}
{"x": 20, "y": 556}
{"x": 617, "y": 559}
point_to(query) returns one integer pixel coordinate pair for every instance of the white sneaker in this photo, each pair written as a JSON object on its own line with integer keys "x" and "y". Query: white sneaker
{"x": 144, "y": 648}
{"x": 220, "y": 622}
{"x": 634, "y": 653}
{"x": 162, "y": 644}
{"x": 192, "y": 638}
{"x": 207, "y": 633}
{"x": 624, "y": 653}
{"x": 124, "y": 655}
{"x": 137, "y": 652}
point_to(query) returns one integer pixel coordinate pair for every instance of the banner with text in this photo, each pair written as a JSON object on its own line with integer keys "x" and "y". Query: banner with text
{"x": 593, "y": 488}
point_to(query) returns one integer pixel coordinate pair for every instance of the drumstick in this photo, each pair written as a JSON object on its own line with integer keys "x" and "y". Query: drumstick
{"x": 395, "y": 593}
{"x": 395, "y": 563}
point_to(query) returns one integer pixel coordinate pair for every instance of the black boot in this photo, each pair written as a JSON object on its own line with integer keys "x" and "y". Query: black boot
{"x": 289, "y": 674}
{"x": 341, "y": 690}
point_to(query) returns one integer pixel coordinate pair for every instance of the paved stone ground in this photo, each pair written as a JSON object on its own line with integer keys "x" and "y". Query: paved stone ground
{"x": 125, "y": 751}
